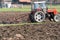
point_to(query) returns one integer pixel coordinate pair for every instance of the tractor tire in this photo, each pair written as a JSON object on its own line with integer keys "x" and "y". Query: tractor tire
{"x": 37, "y": 16}
{"x": 57, "y": 18}
{"x": 32, "y": 17}
{"x": 51, "y": 16}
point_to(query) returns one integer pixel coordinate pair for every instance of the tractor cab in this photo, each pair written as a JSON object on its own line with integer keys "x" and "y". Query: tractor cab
{"x": 38, "y": 5}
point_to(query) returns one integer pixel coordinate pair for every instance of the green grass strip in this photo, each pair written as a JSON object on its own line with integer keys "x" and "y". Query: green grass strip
{"x": 14, "y": 9}
{"x": 20, "y": 24}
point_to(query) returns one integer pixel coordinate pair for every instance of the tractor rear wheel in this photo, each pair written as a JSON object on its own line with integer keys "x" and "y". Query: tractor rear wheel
{"x": 37, "y": 16}
{"x": 57, "y": 18}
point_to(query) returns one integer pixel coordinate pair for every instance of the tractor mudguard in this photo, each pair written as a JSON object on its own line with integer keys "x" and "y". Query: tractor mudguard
{"x": 52, "y": 10}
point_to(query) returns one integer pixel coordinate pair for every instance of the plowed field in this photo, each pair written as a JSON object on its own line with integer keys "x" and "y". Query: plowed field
{"x": 43, "y": 31}
{"x": 14, "y": 17}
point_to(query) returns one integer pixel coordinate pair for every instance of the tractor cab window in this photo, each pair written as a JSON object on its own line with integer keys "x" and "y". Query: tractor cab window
{"x": 39, "y": 5}
{"x": 36, "y": 5}
{"x": 42, "y": 5}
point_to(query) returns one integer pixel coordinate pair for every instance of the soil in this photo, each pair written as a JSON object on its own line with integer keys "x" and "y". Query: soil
{"x": 44, "y": 31}
{"x": 14, "y": 17}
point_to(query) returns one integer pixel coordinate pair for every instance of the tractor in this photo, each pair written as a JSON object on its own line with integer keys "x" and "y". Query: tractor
{"x": 39, "y": 12}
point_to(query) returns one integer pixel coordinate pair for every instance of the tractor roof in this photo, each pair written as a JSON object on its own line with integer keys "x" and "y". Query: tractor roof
{"x": 40, "y": 2}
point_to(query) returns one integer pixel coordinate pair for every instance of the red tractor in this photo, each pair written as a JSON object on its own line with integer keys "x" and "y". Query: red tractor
{"x": 39, "y": 12}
